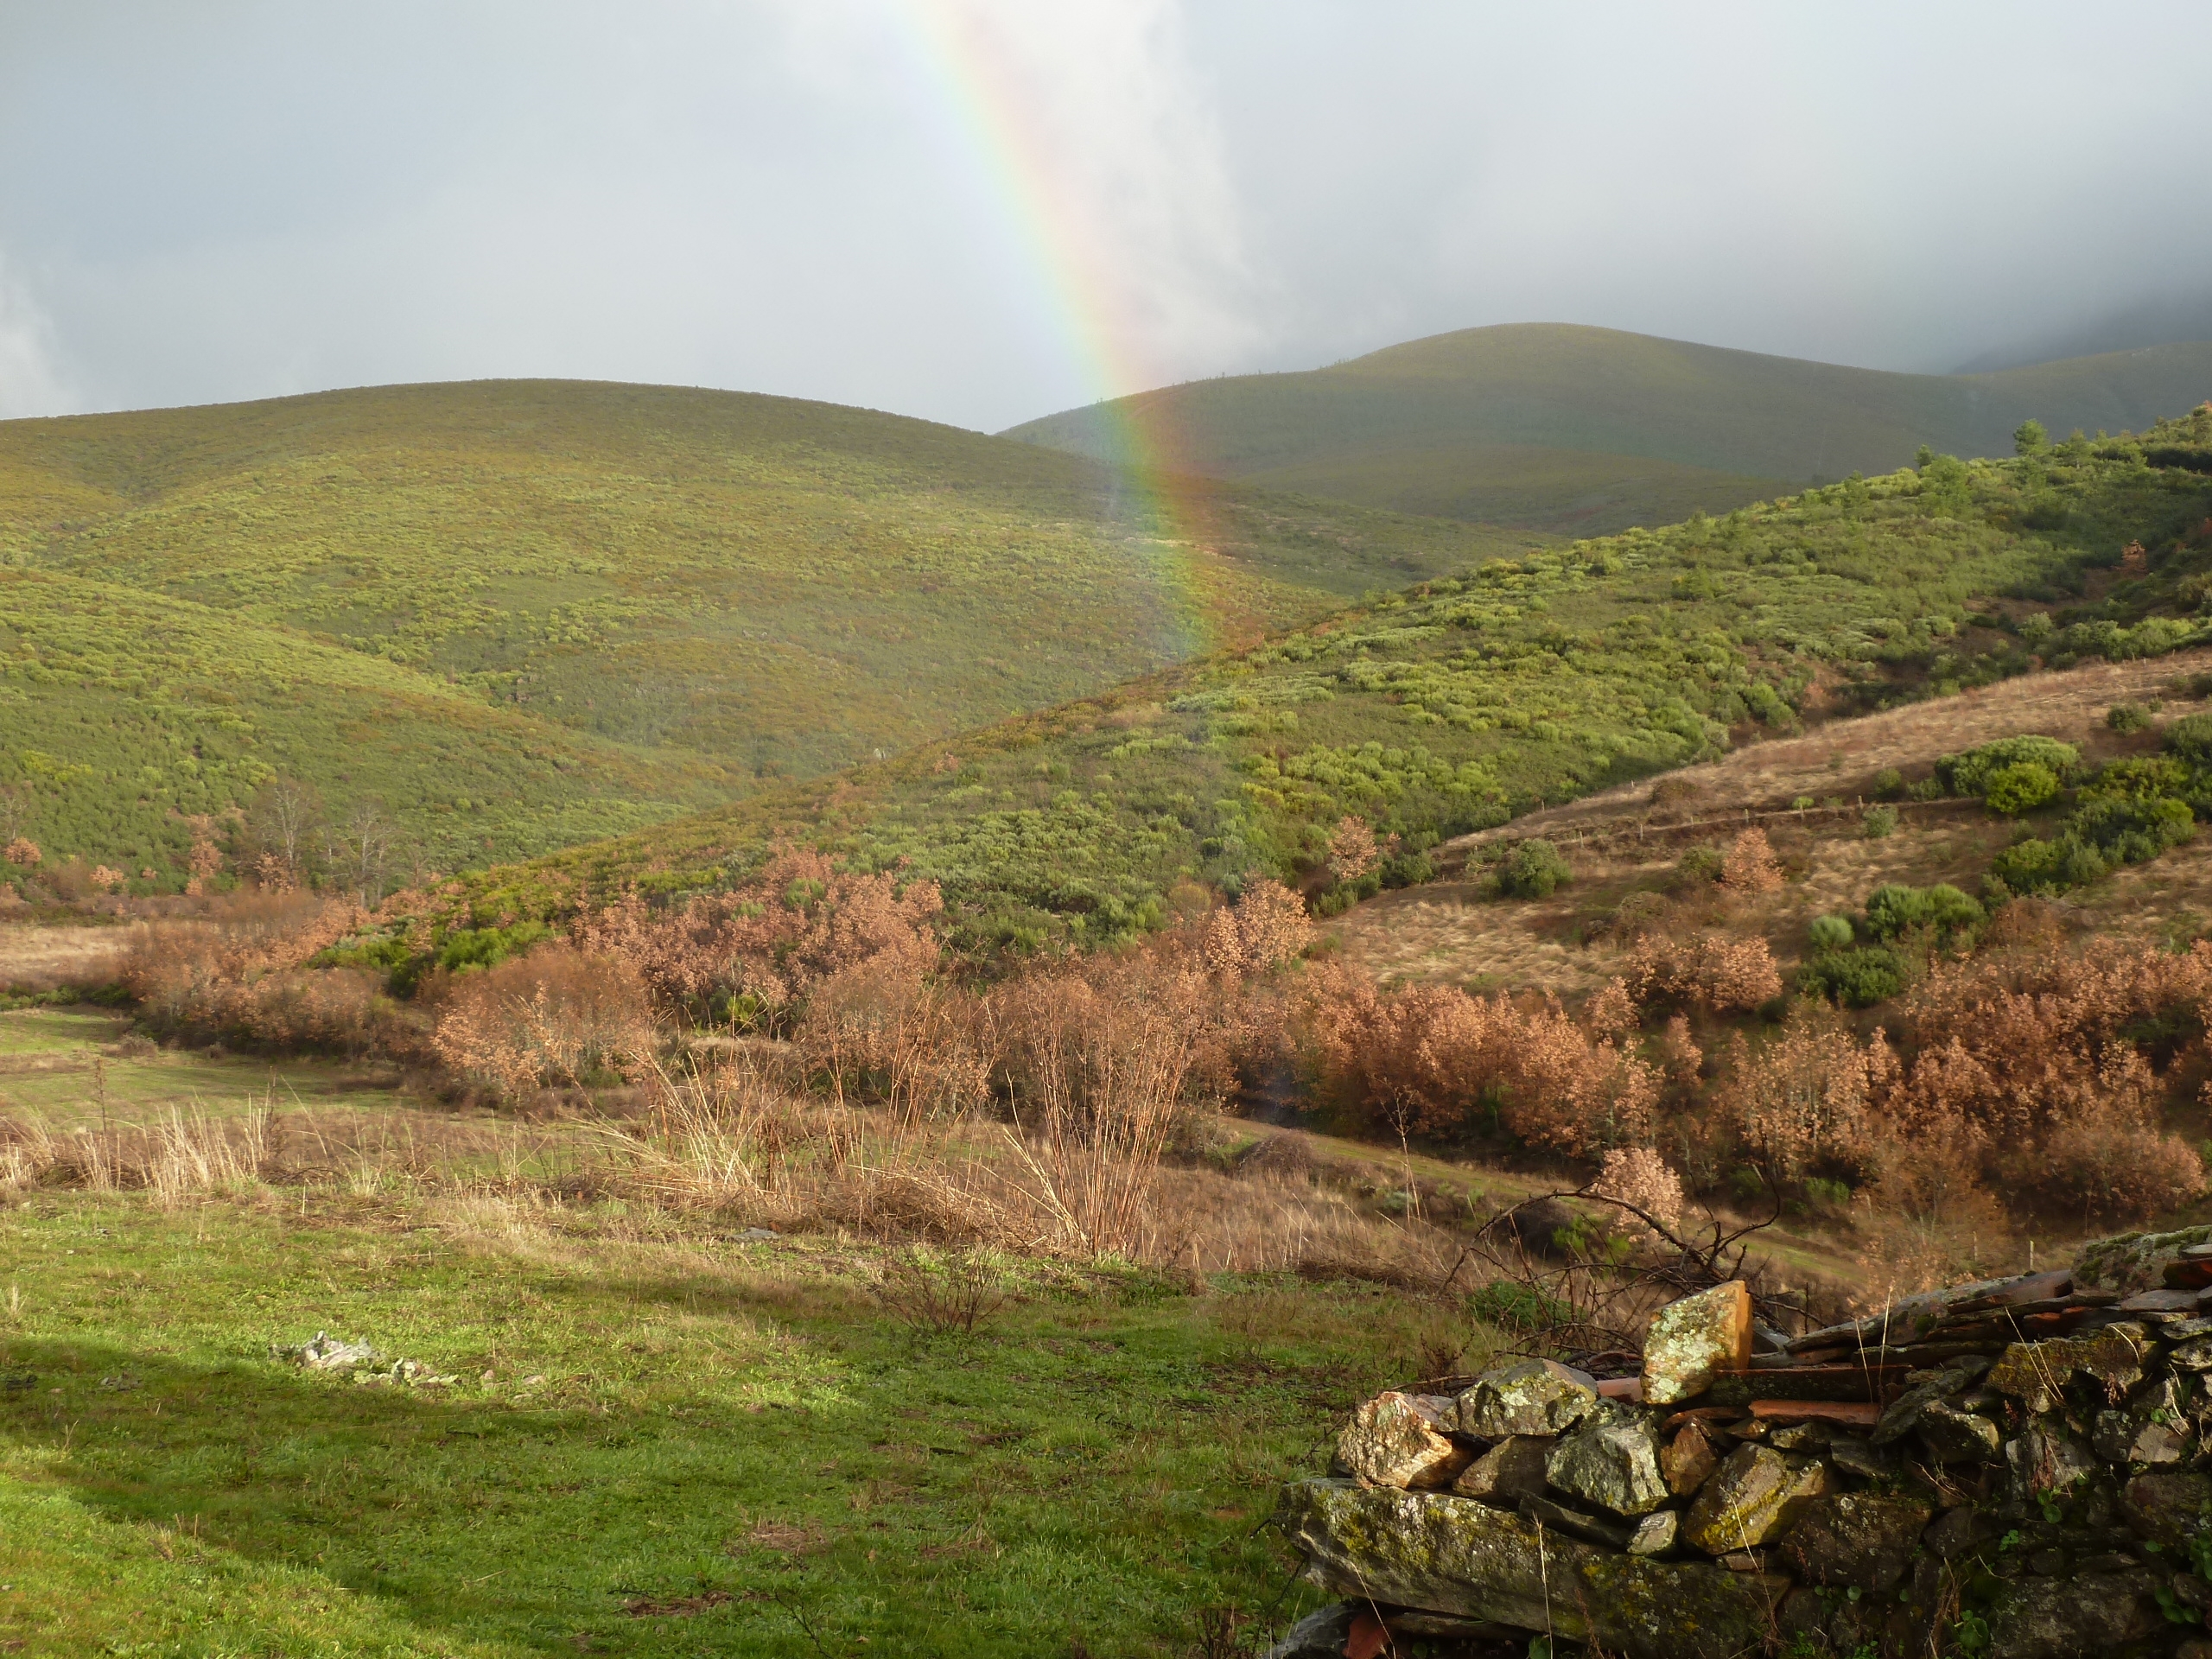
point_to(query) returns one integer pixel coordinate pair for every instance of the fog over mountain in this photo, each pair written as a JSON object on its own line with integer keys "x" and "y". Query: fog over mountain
{"x": 980, "y": 210}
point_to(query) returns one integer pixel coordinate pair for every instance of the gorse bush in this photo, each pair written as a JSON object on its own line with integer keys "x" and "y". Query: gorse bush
{"x": 1532, "y": 869}
{"x": 2021, "y": 787}
{"x": 1978, "y": 769}
{"x": 1829, "y": 932}
{"x": 1893, "y": 911}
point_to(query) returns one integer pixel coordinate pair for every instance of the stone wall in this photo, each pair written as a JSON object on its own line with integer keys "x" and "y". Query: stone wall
{"x": 2015, "y": 1469}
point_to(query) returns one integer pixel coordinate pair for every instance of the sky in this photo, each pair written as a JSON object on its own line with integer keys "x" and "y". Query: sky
{"x": 981, "y": 211}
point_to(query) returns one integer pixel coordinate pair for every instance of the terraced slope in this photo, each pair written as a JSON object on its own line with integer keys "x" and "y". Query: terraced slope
{"x": 514, "y": 615}
{"x": 1464, "y": 702}
{"x": 1584, "y": 430}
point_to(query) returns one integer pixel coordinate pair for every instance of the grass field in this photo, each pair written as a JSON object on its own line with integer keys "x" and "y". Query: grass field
{"x": 516, "y": 615}
{"x": 1585, "y": 430}
{"x": 1465, "y": 702}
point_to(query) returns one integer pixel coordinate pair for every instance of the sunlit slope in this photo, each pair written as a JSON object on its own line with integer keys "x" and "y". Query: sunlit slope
{"x": 681, "y": 593}
{"x": 1583, "y": 430}
{"x": 1464, "y": 702}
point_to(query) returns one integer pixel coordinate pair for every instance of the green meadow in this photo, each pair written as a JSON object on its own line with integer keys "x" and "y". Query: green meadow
{"x": 1460, "y": 703}
{"x": 507, "y": 617}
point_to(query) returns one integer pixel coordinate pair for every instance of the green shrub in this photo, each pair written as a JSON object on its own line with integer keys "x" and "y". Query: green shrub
{"x": 1407, "y": 870}
{"x": 1857, "y": 978}
{"x": 1925, "y": 789}
{"x": 2021, "y": 787}
{"x": 1830, "y": 932}
{"x": 488, "y": 947}
{"x": 2190, "y": 737}
{"x": 2131, "y": 830}
{"x": 1894, "y": 909}
{"x": 1699, "y": 864}
{"x": 1970, "y": 773}
{"x": 2048, "y": 867}
{"x": 1532, "y": 870}
{"x": 1879, "y": 822}
{"x": 1889, "y": 784}
{"x": 2127, "y": 717}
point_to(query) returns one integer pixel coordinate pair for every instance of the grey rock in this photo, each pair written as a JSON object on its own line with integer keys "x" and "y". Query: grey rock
{"x": 2152, "y": 1429}
{"x": 2066, "y": 1617}
{"x": 1863, "y": 1459}
{"x": 1590, "y": 1529}
{"x": 1614, "y": 1465}
{"x": 1508, "y": 1471}
{"x": 1954, "y": 1436}
{"x": 1961, "y": 1532}
{"x": 2166, "y": 1506}
{"x": 2045, "y": 1460}
{"x": 1656, "y": 1533}
{"x": 1398, "y": 1440}
{"x": 1320, "y": 1635}
{"x": 1860, "y": 1539}
{"x": 1904, "y": 1412}
{"x": 1452, "y": 1555}
{"x": 1531, "y": 1396}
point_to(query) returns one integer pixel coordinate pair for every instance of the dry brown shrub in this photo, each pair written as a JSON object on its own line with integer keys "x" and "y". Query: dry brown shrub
{"x": 768, "y": 944}
{"x": 1751, "y": 866}
{"x": 1802, "y": 1101}
{"x": 552, "y": 1017}
{"x": 1639, "y": 1178}
{"x": 1707, "y": 970}
{"x": 24, "y": 851}
{"x": 1353, "y": 851}
{"x": 1267, "y": 927}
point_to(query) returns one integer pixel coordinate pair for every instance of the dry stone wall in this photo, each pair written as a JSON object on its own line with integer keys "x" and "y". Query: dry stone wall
{"x": 2017, "y": 1469}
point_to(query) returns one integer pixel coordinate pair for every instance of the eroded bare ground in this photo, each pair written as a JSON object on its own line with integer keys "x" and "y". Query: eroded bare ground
{"x": 1625, "y": 840}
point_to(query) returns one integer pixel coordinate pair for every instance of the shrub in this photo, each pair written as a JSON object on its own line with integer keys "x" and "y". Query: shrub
{"x": 554, "y": 1016}
{"x": 1638, "y": 1176}
{"x": 2190, "y": 737}
{"x": 2127, "y": 717}
{"x": 1532, "y": 870}
{"x": 2133, "y": 831}
{"x": 1829, "y": 932}
{"x": 1407, "y": 870}
{"x": 2020, "y": 787}
{"x": 2048, "y": 867}
{"x": 1857, "y": 978}
{"x": 1970, "y": 773}
{"x": 1751, "y": 865}
{"x": 1265, "y": 928}
{"x": 1889, "y": 784}
{"x": 1893, "y": 909}
{"x": 1699, "y": 864}
{"x": 1879, "y": 822}
{"x": 1352, "y": 852}
{"x": 1709, "y": 971}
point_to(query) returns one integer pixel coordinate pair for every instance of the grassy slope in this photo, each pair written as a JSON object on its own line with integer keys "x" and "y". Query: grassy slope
{"x": 578, "y": 607}
{"x": 1463, "y": 703}
{"x": 1584, "y": 430}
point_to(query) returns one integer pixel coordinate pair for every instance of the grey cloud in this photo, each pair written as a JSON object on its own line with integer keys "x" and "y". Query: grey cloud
{"x": 241, "y": 199}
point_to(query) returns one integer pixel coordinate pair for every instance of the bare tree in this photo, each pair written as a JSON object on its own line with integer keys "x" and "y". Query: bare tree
{"x": 18, "y": 801}
{"x": 286, "y": 813}
{"x": 357, "y": 850}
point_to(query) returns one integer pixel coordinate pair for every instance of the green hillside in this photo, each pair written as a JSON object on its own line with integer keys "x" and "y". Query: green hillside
{"x": 1467, "y": 700}
{"x": 514, "y": 615}
{"x": 1584, "y": 430}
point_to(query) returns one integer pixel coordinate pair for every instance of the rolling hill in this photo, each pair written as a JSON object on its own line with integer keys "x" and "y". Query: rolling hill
{"x": 1582, "y": 431}
{"x": 505, "y": 616}
{"x": 1466, "y": 700}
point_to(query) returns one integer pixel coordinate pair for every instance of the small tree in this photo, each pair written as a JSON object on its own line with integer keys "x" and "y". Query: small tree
{"x": 1532, "y": 870}
{"x": 1751, "y": 866}
{"x": 2028, "y": 438}
{"x": 1351, "y": 849}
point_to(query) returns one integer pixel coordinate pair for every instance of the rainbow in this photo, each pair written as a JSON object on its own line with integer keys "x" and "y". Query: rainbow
{"x": 1170, "y": 509}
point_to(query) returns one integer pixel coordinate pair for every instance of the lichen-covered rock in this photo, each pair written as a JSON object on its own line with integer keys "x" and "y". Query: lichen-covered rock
{"x": 1954, "y": 1436}
{"x": 2046, "y": 1461}
{"x": 2066, "y": 1617}
{"x": 1690, "y": 1339}
{"x": 2135, "y": 1261}
{"x": 2166, "y": 1506}
{"x": 1590, "y": 1529}
{"x": 2034, "y": 1373}
{"x": 1688, "y": 1458}
{"x": 1509, "y": 1470}
{"x": 1903, "y": 1414}
{"x": 1398, "y": 1440}
{"x": 1531, "y": 1396}
{"x": 1860, "y": 1539}
{"x": 1753, "y": 1498}
{"x": 2152, "y": 1429}
{"x": 1614, "y": 1465}
{"x": 1452, "y": 1555}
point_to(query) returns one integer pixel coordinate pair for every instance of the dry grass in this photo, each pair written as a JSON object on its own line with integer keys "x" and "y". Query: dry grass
{"x": 46, "y": 958}
{"x": 1624, "y": 840}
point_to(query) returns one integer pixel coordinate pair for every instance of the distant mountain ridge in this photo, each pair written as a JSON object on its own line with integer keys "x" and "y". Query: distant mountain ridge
{"x": 1571, "y": 430}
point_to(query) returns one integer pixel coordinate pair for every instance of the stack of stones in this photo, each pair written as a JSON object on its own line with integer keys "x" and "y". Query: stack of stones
{"x": 2014, "y": 1468}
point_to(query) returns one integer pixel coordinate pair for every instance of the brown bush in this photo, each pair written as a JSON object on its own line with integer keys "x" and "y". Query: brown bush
{"x": 1267, "y": 927}
{"x": 1751, "y": 866}
{"x": 552, "y": 1017}
{"x": 1707, "y": 970}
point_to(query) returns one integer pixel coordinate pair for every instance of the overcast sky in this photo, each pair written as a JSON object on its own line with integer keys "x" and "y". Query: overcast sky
{"x": 982, "y": 210}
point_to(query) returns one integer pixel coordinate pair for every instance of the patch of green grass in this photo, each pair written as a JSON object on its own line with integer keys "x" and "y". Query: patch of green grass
{"x": 518, "y": 615}
{"x": 727, "y": 1448}
{"x": 1580, "y": 431}
{"x": 1461, "y": 703}
{"x": 57, "y": 1031}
